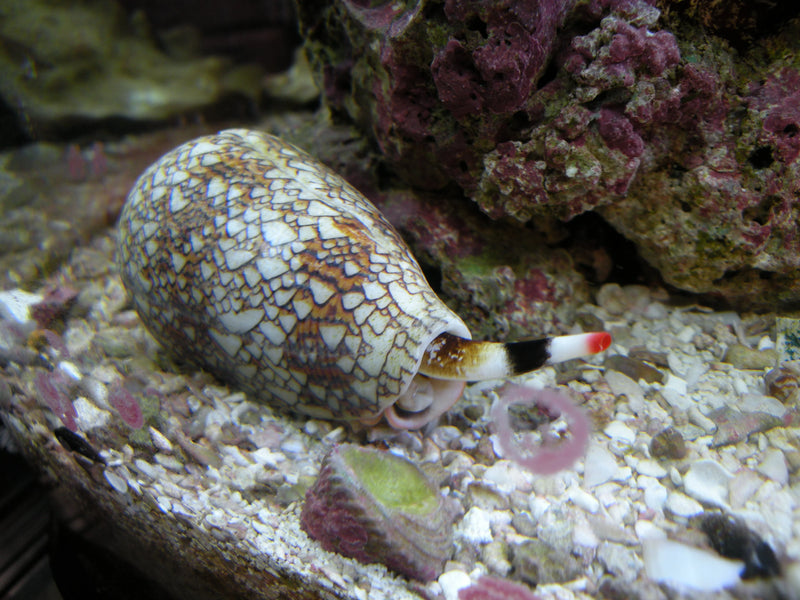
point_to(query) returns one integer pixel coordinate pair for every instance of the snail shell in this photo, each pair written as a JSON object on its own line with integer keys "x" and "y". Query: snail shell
{"x": 245, "y": 256}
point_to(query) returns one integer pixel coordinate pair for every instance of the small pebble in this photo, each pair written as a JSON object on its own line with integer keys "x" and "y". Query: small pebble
{"x": 452, "y": 582}
{"x": 268, "y": 458}
{"x": 15, "y": 305}
{"x": 293, "y": 445}
{"x": 668, "y": 443}
{"x": 707, "y": 481}
{"x": 764, "y": 404}
{"x": 656, "y": 311}
{"x": 600, "y": 466}
{"x": 623, "y": 385}
{"x": 783, "y": 383}
{"x": 476, "y": 526}
{"x": 633, "y": 368}
{"x": 734, "y": 426}
{"x": 538, "y": 563}
{"x": 444, "y": 434}
{"x": 612, "y": 297}
{"x": 743, "y": 357}
{"x": 678, "y": 401}
{"x": 146, "y": 468}
{"x": 583, "y": 499}
{"x": 508, "y": 476}
{"x": 169, "y": 462}
{"x": 96, "y": 391}
{"x": 620, "y": 432}
{"x": 647, "y": 530}
{"x": 699, "y": 419}
{"x": 495, "y": 556}
{"x": 70, "y": 369}
{"x": 681, "y": 505}
{"x": 620, "y": 560}
{"x": 583, "y": 535}
{"x": 159, "y": 441}
{"x": 650, "y": 468}
{"x": 773, "y": 465}
{"x": 115, "y": 342}
{"x": 311, "y": 427}
{"x": 743, "y": 485}
{"x": 116, "y": 482}
{"x": 334, "y": 436}
{"x": 164, "y": 503}
{"x": 655, "y": 494}
{"x": 686, "y": 334}
{"x": 88, "y": 416}
{"x": 676, "y": 384}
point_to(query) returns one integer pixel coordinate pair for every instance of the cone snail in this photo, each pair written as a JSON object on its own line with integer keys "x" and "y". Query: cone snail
{"x": 245, "y": 256}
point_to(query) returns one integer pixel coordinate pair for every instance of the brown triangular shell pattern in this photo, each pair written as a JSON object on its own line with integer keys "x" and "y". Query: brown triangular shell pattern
{"x": 247, "y": 257}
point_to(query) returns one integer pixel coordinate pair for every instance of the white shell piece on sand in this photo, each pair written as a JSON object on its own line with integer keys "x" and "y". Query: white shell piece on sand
{"x": 682, "y": 566}
{"x": 707, "y": 481}
{"x": 452, "y": 582}
{"x": 15, "y": 305}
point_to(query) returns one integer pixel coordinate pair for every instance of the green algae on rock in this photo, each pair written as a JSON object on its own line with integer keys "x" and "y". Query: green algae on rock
{"x": 378, "y": 507}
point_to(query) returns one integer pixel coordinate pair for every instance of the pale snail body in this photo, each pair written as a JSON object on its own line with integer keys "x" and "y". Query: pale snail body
{"x": 247, "y": 257}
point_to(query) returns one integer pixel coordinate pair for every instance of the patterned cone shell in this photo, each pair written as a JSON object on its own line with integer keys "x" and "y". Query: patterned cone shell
{"x": 247, "y": 257}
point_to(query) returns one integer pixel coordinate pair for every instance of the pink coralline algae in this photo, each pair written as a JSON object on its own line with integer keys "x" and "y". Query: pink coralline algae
{"x": 584, "y": 156}
{"x": 546, "y": 459}
{"x": 126, "y": 404}
{"x": 497, "y": 76}
{"x": 53, "y": 389}
{"x": 779, "y": 99}
{"x": 619, "y": 134}
{"x": 543, "y": 110}
{"x": 618, "y": 54}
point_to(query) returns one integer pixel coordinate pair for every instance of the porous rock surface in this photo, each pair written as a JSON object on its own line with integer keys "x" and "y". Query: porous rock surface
{"x": 683, "y": 139}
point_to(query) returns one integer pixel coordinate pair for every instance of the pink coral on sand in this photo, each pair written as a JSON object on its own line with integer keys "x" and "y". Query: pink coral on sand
{"x": 53, "y": 389}
{"x": 126, "y": 405}
{"x": 547, "y": 459}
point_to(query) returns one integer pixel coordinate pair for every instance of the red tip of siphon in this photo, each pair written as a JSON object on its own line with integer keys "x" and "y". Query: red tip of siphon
{"x": 599, "y": 341}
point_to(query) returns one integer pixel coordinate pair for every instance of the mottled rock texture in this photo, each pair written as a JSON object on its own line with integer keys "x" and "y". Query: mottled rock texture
{"x": 65, "y": 66}
{"x": 682, "y": 131}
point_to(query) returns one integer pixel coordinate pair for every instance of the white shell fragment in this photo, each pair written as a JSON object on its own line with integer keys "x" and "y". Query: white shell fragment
{"x": 707, "y": 481}
{"x": 15, "y": 306}
{"x": 682, "y": 567}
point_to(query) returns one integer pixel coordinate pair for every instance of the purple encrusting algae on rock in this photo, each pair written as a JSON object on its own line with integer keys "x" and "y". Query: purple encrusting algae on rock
{"x": 543, "y": 110}
{"x": 378, "y": 507}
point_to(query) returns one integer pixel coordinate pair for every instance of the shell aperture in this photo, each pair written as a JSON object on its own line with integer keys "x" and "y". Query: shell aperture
{"x": 245, "y": 256}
